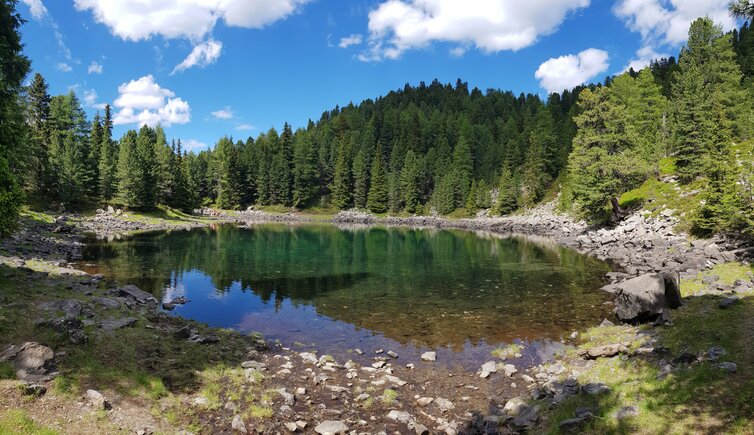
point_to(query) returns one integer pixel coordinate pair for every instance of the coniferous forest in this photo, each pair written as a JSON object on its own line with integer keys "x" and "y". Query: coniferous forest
{"x": 428, "y": 148}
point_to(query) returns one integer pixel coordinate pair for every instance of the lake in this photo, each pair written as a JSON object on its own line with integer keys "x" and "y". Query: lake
{"x": 336, "y": 289}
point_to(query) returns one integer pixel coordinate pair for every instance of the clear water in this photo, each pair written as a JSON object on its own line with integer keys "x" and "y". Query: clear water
{"x": 334, "y": 289}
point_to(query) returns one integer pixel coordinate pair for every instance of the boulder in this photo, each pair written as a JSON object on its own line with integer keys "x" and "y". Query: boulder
{"x": 429, "y": 356}
{"x": 69, "y": 307}
{"x": 97, "y": 400}
{"x": 606, "y": 351}
{"x": 330, "y": 427}
{"x": 644, "y": 298}
{"x": 110, "y": 325}
{"x": 138, "y": 294}
{"x": 32, "y": 361}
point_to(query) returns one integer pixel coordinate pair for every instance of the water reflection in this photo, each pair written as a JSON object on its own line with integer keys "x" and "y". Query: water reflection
{"x": 339, "y": 288}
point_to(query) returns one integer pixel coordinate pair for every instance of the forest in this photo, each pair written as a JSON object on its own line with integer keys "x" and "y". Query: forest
{"x": 431, "y": 148}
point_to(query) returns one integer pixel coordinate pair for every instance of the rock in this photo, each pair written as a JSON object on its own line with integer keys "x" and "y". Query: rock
{"x": 714, "y": 353}
{"x": 289, "y": 398}
{"x": 572, "y": 424}
{"x": 488, "y": 368}
{"x": 604, "y": 351}
{"x": 514, "y": 406}
{"x": 32, "y": 361}
{"x": 256, "y": 365}
{"x": 330, "y": 427}
{"x": 645, "y": 297}
{"x": 525, "y": 421}
{"x": 97, "y": 400}
{"x": 106, "y": 302}
{"x": 727, "y": 366}
{"x": 424, "y": 401}
{"x": 291, "y": 427}
{"x": 626, "y": 412}
{"x": 606, "y": 322}
{"x": 167, "y": 306}
{"x": 77, "y": 336}
{"x": 392, "y": 354}
{"x": 109, "y": 325}
{"x": 510, "y": 370}
{"x": 594, "y": 389}
{"x": 420, "y": 429}
{"x": 183, "y": 333}
{"x": 429, "y": 356}
{"x": 684, "y": 358}
{"x": 238, "y": 425}
{"x": 309, "y": 358}
{"x": 139, "y": 295}
{"x": 69, "y": 307}
{"x": 400, "y": 416}
{"x": 35, "y": 390}
{"x": 710, "y": 279}
{"x": 444, "y": 404}
{"x": 728, "y": 302}
{"x": 200, "y": 401}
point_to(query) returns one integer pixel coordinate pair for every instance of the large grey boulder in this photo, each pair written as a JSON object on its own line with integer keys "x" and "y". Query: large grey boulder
{"x": 32, "y": 361}
{"x": 138, "y": 294}
{"x": 644, "y": 298}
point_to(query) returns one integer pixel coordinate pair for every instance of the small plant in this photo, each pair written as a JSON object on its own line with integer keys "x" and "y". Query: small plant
{"x": 389, "y": 396}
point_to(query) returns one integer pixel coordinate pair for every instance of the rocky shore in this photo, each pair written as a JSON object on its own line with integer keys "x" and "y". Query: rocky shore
{"x": 288, "y": 391}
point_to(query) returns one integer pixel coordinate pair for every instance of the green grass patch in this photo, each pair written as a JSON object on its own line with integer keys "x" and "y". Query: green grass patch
{"x": 655, "y": 196}
{"x": 7, "y": 371}
{"x": 389, "y": 396}
{"x": 666, "y": 166}
{"x": 513, "y": 350}
{"x": 17, "y": 422}
{"x": 728, "y": 273}
{"x": 37, "y": 215}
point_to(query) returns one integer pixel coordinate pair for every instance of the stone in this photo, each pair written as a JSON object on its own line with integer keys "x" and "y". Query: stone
{"x": 684, "y": 358}
{"x": 35, "y": 390}
{"x": 645, "y": 297}
{"x": 595, "y": 389}
{"x": 444, "y": 404}
{"x": 604, "y": 351}
{"x": 238, "y": 425}
{"x": 107, "y": 303}
{"x": 525, "y": 421}
{"x": 256, "y": 365}
{"x": 714, "y": 353}
{"x": 291, "y": 427}
{"x": 301, "y": 391}
{"x": 109, "y": 325}
{"x": 572, "y": 424}
{"x": 309, "y": 358}
{"x": 728, "y": 302}
{"x": 32, "y": 361}
{"x": 97, "y": 400}
{"x": 727, "y": 366}
{"x": 514, "y": 406}
{"x": 424, "y": 401}
{"x": 330, "y": 427}
{"x": 289, "y": 398}
{"x": 488, "y": 368}
{"x": 429, "y": 356}
{"x": 200, "y": 401}
{"x": 392, "y": 354}
{"x": 138, "y": 294}
{"x": 77, "y": 336}
{"x": 168, "y": 306}
{"x": 626, "y": 412}
{"x": 509, "y": 370}
{"x": 400, "y": 416}
{"x": 606, "y": 322}
{"x": 69, "y": 307}
{"x": 420, "y": 429}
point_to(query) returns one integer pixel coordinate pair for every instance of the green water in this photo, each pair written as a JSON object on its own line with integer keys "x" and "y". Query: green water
{"x": 336, "y": 289}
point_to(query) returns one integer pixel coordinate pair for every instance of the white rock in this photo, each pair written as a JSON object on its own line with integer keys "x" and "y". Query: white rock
{"x": 488, "y": 368}
{"x": 238, "y": 425}
{"x": 330, "y": 427}
{"x": 429, "y": 356}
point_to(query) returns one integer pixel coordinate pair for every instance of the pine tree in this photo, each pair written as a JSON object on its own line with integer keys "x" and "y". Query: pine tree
{"x": 377, "y": 201}
{"x": 108, "y": 159}
{"x": 409, "y": 182}
{"x": 304, "y": 171}
{"x": 38, "y": 175}
{"x": 360, "y": 180}
{"x": 507, "y": 198}
{"x": 342, "y": 188}
{"x": 229, "y": 189}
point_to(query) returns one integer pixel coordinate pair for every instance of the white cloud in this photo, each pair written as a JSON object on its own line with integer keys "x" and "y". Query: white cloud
{"x": 91, "y": 97}
{"x": 245, "y": 127}
{"x": 202, "y": 55}
{"x": 644, "y": 56}
{"x": 94, "y": 68}
{"x": 348, "y": 41}
{"x": 140, "y": 19}
{"x": 491, "y": 25}
{"x": 194, "y": 145}
{"x": 143, "y": 101}
{"x": 666, "y": 22}
{"x": 225, "y": 113}
{"x": 62, "y": 66}
{"x": 567, "y": 72}
{"x": 37, "y": 9}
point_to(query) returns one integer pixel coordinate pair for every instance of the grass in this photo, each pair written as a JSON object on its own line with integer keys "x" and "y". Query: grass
{"x": 655, "y": 196}
{"x": 7, "y": 371}
{"x": 162, "y": 215}
{"x": 16, "y": 421}
{"x": 512, "y": 350}
{"x": 728, "y": 273}
{"x": 38, "y": 216}
{"x": 697, "y": 399}
{"x": 389, "y": 396}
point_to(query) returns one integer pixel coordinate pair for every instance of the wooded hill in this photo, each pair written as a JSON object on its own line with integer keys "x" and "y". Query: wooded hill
{"x": 432, "y": 147}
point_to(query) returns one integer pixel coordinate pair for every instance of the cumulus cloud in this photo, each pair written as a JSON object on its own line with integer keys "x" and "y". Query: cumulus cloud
{"x": 225, "y": 113}
{"x": 90, "y": 99}
{"x": 348, "y": 41}
{"x": 37, "y": 9}
{"x": 94, "y": 68}
{"x": 194, "y": 145}
{"x": 245, "y": 127}
{"x": 202, "y": 55}
{"x": 64, "y": 67}
{"x": 143, "y": 101}
{"x": 193, "y": 19}
{"x": 666, "y": 22}
{"x": 491, "y": 25}
{"x": 644, "y": 56}
{"x": 567, "y": 72}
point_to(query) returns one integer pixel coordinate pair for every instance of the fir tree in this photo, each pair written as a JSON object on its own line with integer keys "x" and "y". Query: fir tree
{"x": 507, "y": 198}
{"x": 304, "y": 171}
{"x": 127, "y": 171}
{"x": 38, "y": 176}
{"x": 360, "y": 180}
{"x": 342, "y": 189}
{"x": 229, "y": 189}
{"x": 377, "y": 200}
{"x": 108, "y": 159}
{"x": 409, "y": 182}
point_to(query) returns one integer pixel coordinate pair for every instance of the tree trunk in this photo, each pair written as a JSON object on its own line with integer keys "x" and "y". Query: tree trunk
{"x": 617, "y": 211}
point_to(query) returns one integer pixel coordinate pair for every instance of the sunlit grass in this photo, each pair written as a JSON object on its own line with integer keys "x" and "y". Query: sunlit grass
{"x": 18, "y": 422}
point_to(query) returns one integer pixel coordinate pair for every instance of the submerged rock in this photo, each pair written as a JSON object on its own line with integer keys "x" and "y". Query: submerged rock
{"x": 429, "y": 356}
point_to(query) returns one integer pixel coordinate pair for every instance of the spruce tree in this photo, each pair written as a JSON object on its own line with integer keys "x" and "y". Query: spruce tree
{"x": 146, "y": 169}
{"x": 409, "y": 182}
{"x": 360, "y": 180}
{"x": 304, "y": 171}
{"x": 444, "y": 197}
{"x": 342, "y": 188}
{"x": 229, "y": 189}
{"x": 377, "y": 202}
{"x": 92, "y": 162}
{"x": 127, "y": 176}
{"x": 38, "y": 175}
{"x": 108, "y": 159}
{"x": 507, "y": 198}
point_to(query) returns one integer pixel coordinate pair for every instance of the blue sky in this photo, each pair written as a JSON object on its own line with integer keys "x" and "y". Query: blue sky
{"x": 208, "y": 68}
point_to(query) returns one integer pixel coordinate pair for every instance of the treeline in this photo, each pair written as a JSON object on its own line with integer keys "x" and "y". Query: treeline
{"x": 429, "y": 148}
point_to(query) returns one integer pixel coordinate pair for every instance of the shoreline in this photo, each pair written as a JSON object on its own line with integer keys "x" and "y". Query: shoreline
{"x": 408, "y": 403}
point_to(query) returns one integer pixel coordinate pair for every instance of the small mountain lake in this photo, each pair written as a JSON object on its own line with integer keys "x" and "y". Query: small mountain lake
{"x": 336, "y": 289}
